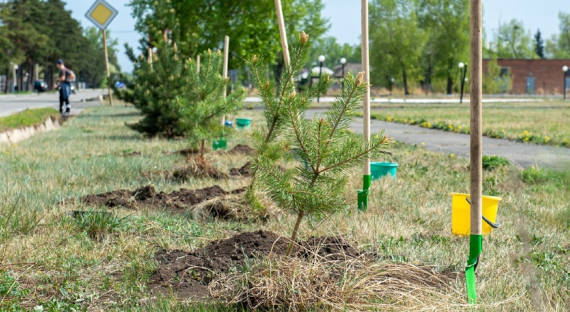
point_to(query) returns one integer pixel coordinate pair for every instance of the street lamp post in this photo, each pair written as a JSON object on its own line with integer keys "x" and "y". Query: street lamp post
{"x": 321, "y": 62}
{"x": 566, "y": 73}
{"x": 342, "y": 63}
{"x": 463, "y": 68}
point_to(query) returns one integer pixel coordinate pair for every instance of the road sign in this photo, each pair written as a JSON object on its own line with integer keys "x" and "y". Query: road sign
{"x": 101, "y": 14}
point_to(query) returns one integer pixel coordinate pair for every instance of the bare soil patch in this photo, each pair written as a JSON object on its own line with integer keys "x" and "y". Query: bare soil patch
{"x": 148, "y": 197}
{"x": 242, "y": 149}
{"x": 189, "y": 273}
{"x": 199, "y": 168}
{"x": 232, "y": 270}
{"x": 244, "y": 171}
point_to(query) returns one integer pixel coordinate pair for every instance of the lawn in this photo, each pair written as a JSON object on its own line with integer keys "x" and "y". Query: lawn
{"x": 28, "y": 117}
{"x": 49, "y": 258}
{"x": 544, "y": 122}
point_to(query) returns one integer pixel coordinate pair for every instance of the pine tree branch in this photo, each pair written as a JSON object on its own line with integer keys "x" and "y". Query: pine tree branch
{"x": 343, "y": 111}
{"x": 368, "y": 150}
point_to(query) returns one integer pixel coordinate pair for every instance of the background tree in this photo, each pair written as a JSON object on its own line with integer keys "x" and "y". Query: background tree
{"x": 559, "y": 45}
{"x": 36, "y": 33}
{"x": 199, "y": 25}
{"x": 447, "y": 23}
{"x": 539, "y": 44}
{"x": 397, "y": 42}
{"x": 513, "y": 41}
{"x": 333, "y": 51}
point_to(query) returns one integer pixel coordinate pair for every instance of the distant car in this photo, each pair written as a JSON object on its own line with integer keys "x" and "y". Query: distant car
{"x": 40, "y": 86}
{"x": 120, "y": 85}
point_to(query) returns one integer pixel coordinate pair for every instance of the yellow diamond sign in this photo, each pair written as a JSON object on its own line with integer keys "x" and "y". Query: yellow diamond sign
{"x": 101, "y": 14}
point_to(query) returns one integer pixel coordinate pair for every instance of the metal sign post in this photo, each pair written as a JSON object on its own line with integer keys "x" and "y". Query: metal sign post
{"x": 102, "y": 14}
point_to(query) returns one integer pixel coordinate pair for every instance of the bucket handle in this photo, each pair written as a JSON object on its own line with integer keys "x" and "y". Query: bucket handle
{"x": 491, "y": 224}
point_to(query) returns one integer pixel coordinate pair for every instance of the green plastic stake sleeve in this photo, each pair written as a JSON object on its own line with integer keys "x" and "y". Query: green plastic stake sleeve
{"x": 475, "y": 249}
{"x": 363, "y": 193}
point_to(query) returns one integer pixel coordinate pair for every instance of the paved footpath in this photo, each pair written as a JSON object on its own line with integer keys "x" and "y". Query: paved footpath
{"x": 11, "y": 103}
{"x": 521, "y": 154}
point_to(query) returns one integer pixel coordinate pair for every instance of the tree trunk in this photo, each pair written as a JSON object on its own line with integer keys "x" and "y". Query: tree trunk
{"x": 6, "y": 86}
{"x": 202, "y": 149}
{"x": 449, "y": 84}
{"x": 295, "y": 230}
{"x": 405, "y": 80}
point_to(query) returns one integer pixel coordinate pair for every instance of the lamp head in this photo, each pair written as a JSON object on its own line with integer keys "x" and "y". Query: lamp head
{"x": 565, "y": 68}
{"x": 461, "y": 65}
{"x": 321, "y": 58}
{"x": 343, "y": 61}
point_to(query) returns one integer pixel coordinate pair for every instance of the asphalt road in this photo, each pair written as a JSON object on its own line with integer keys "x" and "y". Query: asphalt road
{"x": 521, "y": 154}
{"x": 11, "y": 103}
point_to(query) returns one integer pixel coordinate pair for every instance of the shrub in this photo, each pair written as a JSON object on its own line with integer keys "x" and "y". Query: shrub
{"x": 493, "y": 162}
{"x": 534, "y": 175}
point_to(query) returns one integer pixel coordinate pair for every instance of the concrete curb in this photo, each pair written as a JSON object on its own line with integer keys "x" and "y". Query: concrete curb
{"x": 17, "y": 135}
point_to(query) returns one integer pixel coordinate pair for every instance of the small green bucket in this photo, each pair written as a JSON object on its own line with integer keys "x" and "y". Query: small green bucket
{"x": 380, "y": 169}
{"x": 243, "y": 123}
{"x": 220, "y": 144}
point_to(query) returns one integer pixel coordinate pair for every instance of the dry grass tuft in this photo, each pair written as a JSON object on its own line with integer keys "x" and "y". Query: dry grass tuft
{"x": 358, "y": 284}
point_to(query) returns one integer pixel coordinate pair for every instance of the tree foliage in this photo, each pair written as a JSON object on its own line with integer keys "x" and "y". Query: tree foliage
{"x": 39, "y": 32}
{"x": 513, "y": 41}
{"x": 539, "y": 44}
{"x": 198, "y": 25}
{"x": 559, "y": 45}
{"x": 397, "y": 42}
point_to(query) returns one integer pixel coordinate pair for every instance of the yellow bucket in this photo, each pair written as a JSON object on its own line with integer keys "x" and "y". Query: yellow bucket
{"x": 461, "y": 213}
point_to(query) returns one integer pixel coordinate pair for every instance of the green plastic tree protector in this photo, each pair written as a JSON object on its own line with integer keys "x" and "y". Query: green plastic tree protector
{"x": 363, "y": 193}
{"x": 475, "y": 249}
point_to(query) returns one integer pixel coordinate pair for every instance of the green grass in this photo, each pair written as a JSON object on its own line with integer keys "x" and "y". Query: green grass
{"x": 28, "y": 117}
{"x": 544, "y": 122}
{"x": 104, "y": 261}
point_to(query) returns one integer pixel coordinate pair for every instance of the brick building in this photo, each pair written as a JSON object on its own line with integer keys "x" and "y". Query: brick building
{"x": 535, "y": 76}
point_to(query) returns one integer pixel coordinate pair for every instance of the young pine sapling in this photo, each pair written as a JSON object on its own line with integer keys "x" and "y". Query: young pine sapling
{"x": 324, "y": 149}
{"x": 276, "y": 102}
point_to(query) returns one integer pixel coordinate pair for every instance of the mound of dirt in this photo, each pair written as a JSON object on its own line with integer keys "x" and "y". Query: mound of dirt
{"x": 148, "y": 197}
{"x": 329, "y": 247}
{"x": 244, "y": 171}
{"x": 189, "y": 273}
{"x": 198, "y": 168}
{"x": 242, "y": 149}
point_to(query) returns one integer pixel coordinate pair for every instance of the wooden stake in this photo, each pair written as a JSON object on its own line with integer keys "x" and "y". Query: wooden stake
{"x": 283, "y": 33}
{"x": 366, "y": 69}
{"x": 149, "y": 50}
{"x": 198, "y": 63}
{"x": 107, "y": 67}
{"x": 225, "y": 70}
{"x": 476, "y": 117}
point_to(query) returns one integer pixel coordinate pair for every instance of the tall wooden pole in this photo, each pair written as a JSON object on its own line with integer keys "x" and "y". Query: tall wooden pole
{"x": 225, "y": 70}
{"x": 476, "y": 118}
{"x": 366, "y": 179}
{"x": 476, "y": 147}
{"x": 366, "y": 69}
{"x": 107, "y": 67}
{"x": 283, "y": 33}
